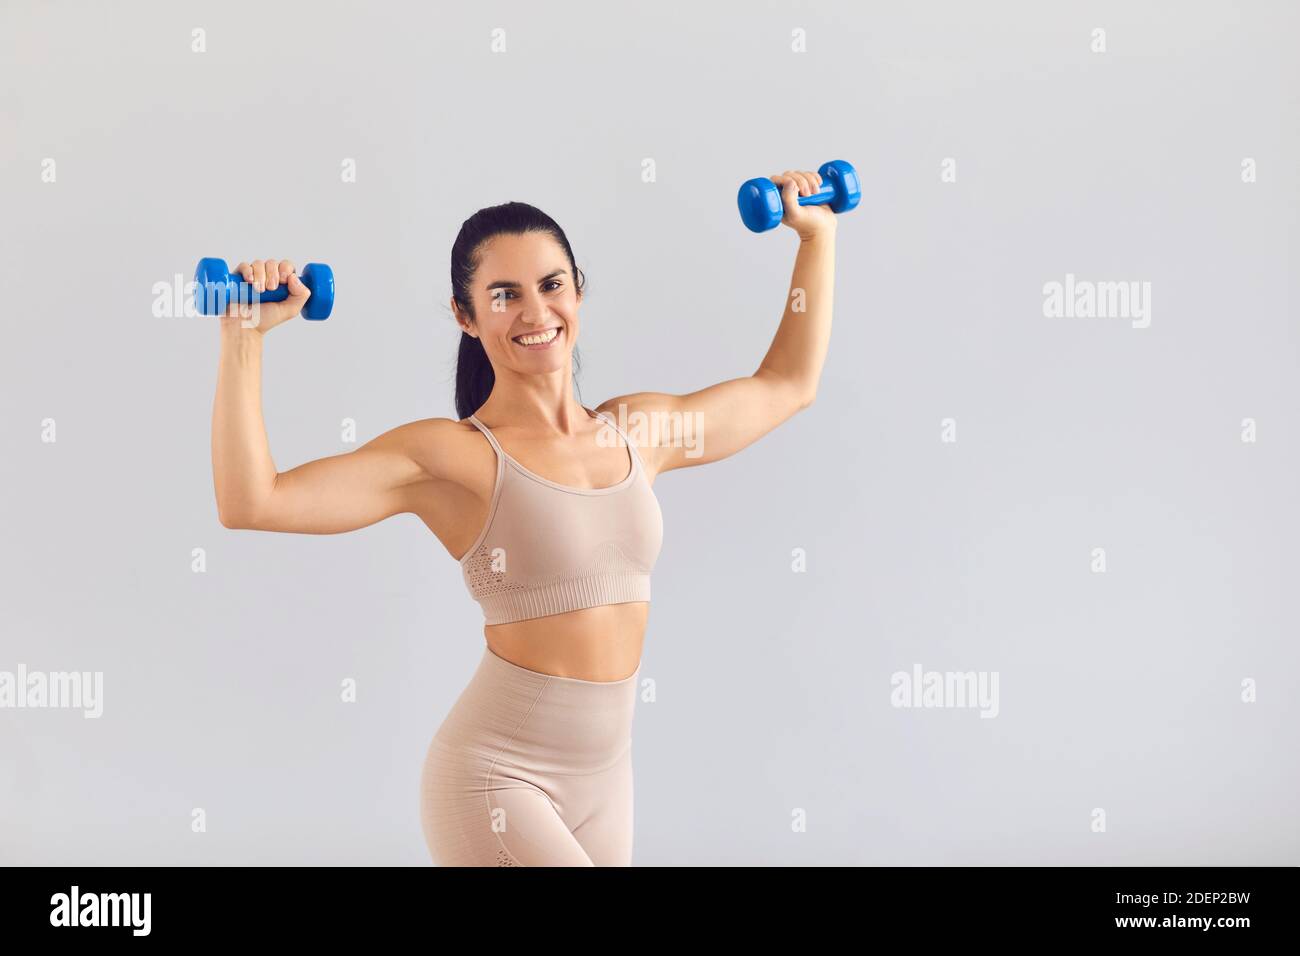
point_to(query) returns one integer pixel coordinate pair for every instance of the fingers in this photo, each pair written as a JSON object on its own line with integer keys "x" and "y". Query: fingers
{"x": 290, "y": 279}
{"x": 806, "y": 181}
{"x": 265, "y": 274}
{"x": 297, "y": 288}
{"x": 788, "y": 185}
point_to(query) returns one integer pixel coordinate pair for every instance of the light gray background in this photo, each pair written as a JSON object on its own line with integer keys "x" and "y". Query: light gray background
{"x": 1118, "y": 690}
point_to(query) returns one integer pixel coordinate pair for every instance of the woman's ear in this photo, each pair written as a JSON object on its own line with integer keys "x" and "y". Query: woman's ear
{"x": 465, "y": 324}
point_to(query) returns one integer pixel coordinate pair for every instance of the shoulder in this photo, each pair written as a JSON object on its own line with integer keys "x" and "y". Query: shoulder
{"x": 444, "y": 447}
{"x": 637, "y": 411}
{"x": 421, "y": 432}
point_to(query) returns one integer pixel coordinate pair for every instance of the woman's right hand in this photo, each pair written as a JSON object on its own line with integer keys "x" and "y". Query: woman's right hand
{"x": 267, "y": 274}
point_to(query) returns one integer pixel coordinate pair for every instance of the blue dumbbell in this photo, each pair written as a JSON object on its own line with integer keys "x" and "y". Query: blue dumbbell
{"x": 760, "y": 199}
{"x": 217, "y": 287}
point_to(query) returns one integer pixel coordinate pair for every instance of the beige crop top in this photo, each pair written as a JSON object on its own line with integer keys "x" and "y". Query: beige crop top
{"x": 548, "y": 548}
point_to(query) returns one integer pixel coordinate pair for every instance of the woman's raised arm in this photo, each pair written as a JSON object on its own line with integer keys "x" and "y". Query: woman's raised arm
{"x": 327, "y": 496}
{"x": 719, "y": 420}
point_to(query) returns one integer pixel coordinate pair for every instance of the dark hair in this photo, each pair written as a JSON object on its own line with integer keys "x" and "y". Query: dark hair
{"x": 474, "y": 374}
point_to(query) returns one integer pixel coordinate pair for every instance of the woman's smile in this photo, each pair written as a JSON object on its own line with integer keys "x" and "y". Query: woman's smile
{"x": 536, "y": 341}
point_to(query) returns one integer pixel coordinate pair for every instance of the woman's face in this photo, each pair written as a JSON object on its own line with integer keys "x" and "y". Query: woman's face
{"x": 525, "y": 303}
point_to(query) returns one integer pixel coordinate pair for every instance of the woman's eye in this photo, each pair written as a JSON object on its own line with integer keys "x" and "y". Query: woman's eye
{"x": 508, "y": 293}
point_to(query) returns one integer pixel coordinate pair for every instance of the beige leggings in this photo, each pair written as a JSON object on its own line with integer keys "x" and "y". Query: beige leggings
{"x": 530, "y": 769}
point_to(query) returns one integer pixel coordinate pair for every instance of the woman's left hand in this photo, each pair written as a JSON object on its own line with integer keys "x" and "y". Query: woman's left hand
{"x": 808, "y": 221}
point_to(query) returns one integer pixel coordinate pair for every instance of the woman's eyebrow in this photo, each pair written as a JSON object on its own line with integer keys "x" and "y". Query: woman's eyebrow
{"x": 512, "y": 284}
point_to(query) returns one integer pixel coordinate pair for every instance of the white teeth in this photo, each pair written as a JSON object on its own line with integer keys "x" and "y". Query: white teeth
{"x": 541, "y": 339}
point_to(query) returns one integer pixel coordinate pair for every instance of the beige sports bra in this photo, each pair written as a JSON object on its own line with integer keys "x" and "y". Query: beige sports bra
{"x": 548, "y": 548}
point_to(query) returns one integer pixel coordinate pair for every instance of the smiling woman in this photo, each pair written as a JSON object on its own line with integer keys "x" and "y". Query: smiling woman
{"x": 548, "y": 508}
{"x": 533, "y": 764}
{"x": 514, "y": 281}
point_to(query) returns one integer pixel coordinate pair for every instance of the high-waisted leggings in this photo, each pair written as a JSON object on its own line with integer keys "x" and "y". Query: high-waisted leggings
{"x": 531, "y": 769}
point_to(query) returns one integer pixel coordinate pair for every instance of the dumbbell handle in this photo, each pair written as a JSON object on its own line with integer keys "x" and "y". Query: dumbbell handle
{"x": 278, "y": 294}
{"x": 244, "y": 290}
{"x": 822, "y": 196}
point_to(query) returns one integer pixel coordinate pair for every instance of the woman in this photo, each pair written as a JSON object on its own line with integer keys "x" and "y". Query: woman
{"x": 547, "y": 506}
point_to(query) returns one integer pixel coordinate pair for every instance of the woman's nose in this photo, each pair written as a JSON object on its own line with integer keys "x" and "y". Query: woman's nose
{"x": 534, "y": 311}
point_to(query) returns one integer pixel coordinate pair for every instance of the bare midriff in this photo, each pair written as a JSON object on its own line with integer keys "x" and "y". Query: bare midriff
{"x": 595, "y": 643}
